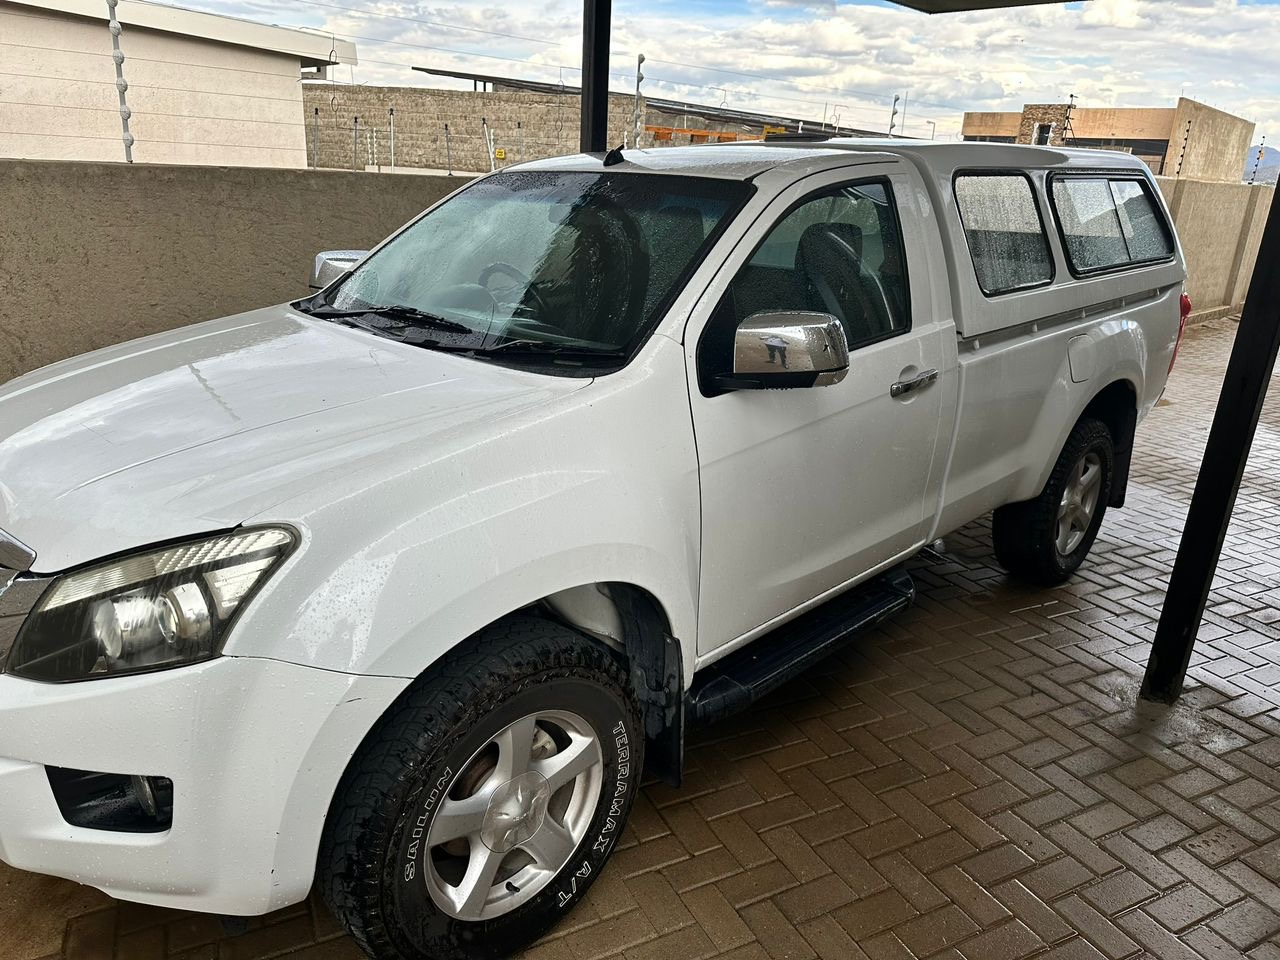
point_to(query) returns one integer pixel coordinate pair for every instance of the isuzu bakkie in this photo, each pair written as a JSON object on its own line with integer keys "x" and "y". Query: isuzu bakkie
{"x": 402, "y": 587}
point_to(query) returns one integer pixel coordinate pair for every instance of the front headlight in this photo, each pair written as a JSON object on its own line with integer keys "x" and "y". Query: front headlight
{"x": 164, "y": 608}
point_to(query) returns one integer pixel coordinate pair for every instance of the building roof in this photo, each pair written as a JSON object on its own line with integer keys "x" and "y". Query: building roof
{"x": 703, "y": 111}
{"x": 311, "y": 49}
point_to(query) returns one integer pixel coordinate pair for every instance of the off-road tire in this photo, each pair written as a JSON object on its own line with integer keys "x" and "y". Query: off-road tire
{"x": 1025, "y": 534}
{"x": 364, "y": 868}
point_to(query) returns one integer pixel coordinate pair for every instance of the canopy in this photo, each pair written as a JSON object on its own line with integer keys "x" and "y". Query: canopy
{"x": 955, "y": 6}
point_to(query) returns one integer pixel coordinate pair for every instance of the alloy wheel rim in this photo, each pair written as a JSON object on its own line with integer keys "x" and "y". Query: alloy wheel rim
{"x": 513, "y": 816}
{"x": 1079, "y": 503}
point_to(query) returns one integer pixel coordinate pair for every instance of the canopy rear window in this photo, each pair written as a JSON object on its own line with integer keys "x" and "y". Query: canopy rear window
{"x": 1004, "y": 231}
{"x": 1109, "y": 222}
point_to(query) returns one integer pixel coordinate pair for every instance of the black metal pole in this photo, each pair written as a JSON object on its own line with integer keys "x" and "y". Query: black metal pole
{"x": 595, "y": 74}
{"x": 1234, "y": 423}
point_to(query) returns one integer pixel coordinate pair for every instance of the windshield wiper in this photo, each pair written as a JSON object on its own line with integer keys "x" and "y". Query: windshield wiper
{"x": 407, "y": 316}
{"x": 548, "y": 348}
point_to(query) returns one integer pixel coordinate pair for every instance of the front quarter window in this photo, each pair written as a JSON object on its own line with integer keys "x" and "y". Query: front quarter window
{"x": 576, "y": 260}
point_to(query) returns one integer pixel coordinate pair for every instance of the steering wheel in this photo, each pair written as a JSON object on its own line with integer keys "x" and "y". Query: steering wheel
{"x": 506, "y": 269}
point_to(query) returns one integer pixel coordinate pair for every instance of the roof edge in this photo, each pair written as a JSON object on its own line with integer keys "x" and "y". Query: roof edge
{"x": 311, "y": 49}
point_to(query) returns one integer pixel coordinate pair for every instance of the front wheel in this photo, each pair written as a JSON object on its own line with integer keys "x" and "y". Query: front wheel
{"x": 1046, "y": 539}
{"x": 484, "y": 804}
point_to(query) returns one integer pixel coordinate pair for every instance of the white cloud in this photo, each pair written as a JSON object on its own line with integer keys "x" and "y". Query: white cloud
{"x": 812, "y": 56}
{"x": 1113, "y": 13}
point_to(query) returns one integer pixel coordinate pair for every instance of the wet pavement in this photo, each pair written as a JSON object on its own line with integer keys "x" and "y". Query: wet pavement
{"x": 972, "y": 781}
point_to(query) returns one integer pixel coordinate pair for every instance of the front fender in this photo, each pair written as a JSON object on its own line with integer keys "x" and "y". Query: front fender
{"x": 406, "y": 562}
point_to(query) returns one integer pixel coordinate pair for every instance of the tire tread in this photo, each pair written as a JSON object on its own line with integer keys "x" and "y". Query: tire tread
{"x": 501, "y": 660}
{"x": 1024, "y": 534}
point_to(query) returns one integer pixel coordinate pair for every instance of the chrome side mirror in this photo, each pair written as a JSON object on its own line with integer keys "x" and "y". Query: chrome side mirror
{"x": 788, "y": 348}
{"x": 331, "y": 264}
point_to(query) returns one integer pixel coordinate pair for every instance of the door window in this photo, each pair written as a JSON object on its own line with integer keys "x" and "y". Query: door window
{"x": 839, "y": 252}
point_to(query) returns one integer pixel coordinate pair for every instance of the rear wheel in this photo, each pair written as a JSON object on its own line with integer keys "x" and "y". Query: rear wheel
{"x": 1046, "y": 539}
{"x": 486, "y": 802}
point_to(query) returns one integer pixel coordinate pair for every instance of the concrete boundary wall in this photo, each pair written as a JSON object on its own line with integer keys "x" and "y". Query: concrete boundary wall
{"x": 1220, "y": 226}
{"x": 95, "y": 253}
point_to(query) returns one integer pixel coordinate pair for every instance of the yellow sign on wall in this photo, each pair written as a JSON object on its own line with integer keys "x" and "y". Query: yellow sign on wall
{"x": 500, "y": 154}
{"x": 768, "y": 130}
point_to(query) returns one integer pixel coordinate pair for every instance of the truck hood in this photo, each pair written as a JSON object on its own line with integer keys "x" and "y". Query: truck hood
{"x": 208, "y": 426}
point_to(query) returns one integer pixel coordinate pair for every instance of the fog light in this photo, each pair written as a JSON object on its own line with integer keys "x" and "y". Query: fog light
{"x": 121, "y": 803}
{"x": 146, "y": 795}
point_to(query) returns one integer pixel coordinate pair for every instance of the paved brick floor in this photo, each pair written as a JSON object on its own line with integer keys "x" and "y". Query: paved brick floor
{"x": 972, "y": 782}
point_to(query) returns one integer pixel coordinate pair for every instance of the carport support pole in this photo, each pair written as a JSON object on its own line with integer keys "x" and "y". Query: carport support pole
{"x": 1234, "y": 423}
{"x": 595, "y": 74}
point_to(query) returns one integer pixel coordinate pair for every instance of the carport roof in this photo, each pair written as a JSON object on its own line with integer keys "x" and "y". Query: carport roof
{"x": 955, "y": 6}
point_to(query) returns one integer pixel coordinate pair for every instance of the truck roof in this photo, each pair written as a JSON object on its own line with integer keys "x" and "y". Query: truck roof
{"x": 744, "y": 160}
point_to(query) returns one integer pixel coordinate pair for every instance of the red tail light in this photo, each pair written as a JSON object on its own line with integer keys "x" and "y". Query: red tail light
{"x": 1184, "y": 312}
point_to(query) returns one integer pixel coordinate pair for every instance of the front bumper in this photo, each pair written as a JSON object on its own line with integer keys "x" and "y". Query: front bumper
{"x": 255, "y": 749}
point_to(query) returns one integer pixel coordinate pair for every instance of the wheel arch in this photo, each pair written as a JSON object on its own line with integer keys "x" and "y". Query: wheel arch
{"x": 1116, "y": 407}
{"x": 634, "y": 623}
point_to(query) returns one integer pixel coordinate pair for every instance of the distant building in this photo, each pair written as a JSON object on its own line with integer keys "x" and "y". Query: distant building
{"x": 1190, "y": 140}
{"x": 202, "y": 88}
{"x": 505, "y": 120}
{"x": 676, "y": 122}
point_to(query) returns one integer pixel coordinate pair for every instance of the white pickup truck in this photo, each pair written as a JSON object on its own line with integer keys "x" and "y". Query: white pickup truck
{"x": 404, "y": 585}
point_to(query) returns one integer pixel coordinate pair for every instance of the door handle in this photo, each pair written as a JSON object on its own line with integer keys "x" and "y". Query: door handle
{"x": 903, "y": 387}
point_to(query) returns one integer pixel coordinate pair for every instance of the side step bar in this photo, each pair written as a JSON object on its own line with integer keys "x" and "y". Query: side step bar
{"x": 764, "y": 664}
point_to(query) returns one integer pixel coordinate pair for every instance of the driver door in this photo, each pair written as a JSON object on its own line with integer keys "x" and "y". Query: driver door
{"x": 807, "y": 490}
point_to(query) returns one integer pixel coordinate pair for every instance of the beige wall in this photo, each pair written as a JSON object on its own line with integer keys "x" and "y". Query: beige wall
{"x": 1090, "y": 123}
{"x": 193, "y": 101}
{"x": 1215, "y": 146}
{"x": 997, "y": 124}
{"x": 1142, "y": 123}
{"x": 95, "y": 253}
{"x": 1220, "y": 227}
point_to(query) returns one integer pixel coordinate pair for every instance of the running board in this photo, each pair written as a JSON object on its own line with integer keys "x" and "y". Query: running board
{"x": 744, "y": 676}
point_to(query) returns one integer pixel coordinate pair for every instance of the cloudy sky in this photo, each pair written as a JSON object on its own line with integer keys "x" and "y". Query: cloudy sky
{"x": 803, "y": 58}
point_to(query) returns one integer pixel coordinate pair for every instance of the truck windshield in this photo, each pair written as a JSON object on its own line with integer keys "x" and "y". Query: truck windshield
{"x": 541, "y": 265}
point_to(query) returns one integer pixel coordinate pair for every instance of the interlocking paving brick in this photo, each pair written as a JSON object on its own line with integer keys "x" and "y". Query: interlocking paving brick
{"x": 972, "y": 781}
{"x": 1008, "y": 942}
{"x": 1215, "y": 847}
{"x": 1247, "y": 924}
{"x": 1119, "y": 892}
{"x": 1096, "y": 928}
{"x": 1183, "y": 908}
{"x": 1159, "y": 833}
{"x": 936, "y": 931}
